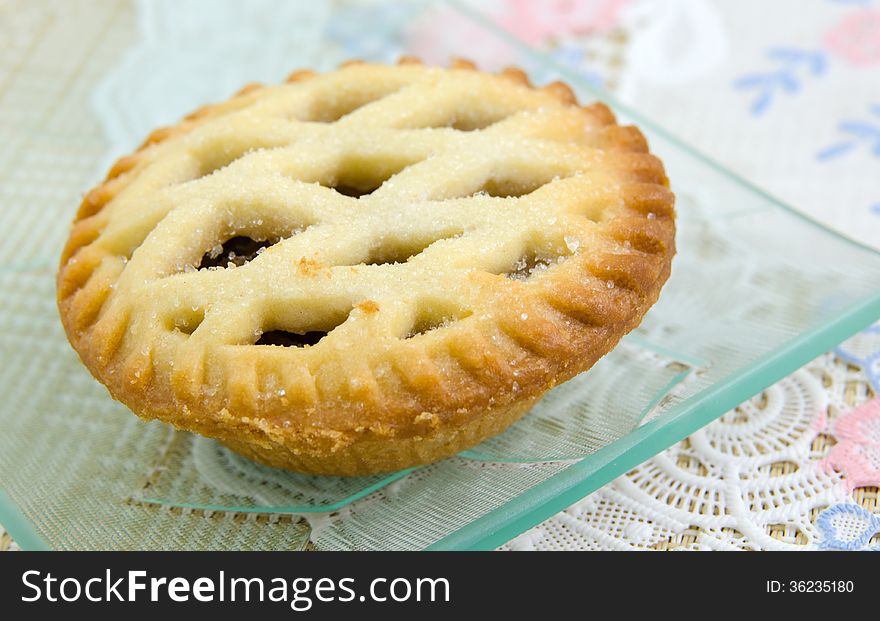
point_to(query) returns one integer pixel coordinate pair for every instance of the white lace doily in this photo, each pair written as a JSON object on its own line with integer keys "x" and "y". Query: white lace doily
{"x": 769, "y": 475}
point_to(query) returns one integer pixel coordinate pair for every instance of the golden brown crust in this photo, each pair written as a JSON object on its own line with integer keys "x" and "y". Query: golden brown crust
{"x": 439, "y": 345}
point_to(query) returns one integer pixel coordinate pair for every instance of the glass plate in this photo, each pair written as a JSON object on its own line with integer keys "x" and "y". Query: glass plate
{"x": 756, "y": 291}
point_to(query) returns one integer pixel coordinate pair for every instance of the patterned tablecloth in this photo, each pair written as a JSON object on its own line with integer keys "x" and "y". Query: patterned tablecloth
{"x": 787, "y": 94}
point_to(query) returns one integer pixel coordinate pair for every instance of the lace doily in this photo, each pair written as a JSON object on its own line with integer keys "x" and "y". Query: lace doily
{"x": 796, "y": 467}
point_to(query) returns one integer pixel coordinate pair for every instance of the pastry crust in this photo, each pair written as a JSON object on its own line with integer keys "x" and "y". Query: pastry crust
{"x": 460, "y": 243}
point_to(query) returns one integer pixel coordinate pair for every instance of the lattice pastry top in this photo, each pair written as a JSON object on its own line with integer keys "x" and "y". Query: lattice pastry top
{"x": 368, "y": 269}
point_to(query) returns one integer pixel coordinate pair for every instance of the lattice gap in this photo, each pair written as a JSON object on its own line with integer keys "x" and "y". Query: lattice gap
{"x": 433, "y": 315}
{"x": 305, "y": 336}
{"x": 327, "y": 109}
{"x": 533, "y": 263}
{"x": 235, "y": 252}
{"x": 464, "y": 121}
{"x": 187, "y": 321}
{"x": 508, "y": 187}
{"x": 391, "y": 250}
{"x": 359, "y": 176}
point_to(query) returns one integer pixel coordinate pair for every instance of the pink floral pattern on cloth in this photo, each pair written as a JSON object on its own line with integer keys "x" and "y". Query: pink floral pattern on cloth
{"x": 857, "y": 452}
{"x": 856, "y": 38}
{"x": 535, "y": 21}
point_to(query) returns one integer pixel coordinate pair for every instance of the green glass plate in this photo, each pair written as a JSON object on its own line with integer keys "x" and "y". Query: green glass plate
{"x": 756, "y": 291}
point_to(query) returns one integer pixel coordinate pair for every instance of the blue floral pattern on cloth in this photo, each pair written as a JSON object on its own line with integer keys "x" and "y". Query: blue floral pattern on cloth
{"x": 851, "y": 43}
{"x": 863, "y": 350}
{"x": 847, "y": 526}
{"x": 792, "y": 66}
{"x": 858, "y": 132}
